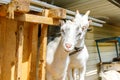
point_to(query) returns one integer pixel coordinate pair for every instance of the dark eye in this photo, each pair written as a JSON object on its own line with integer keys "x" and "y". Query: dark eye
{"x": 84, "y": 28}
{"x": 62, "y": 31}
{"x": 79, "y": 34}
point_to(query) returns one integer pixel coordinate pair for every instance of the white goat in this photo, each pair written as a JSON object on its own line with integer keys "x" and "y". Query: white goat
{"x": 77, "y": 66}
{"x": 58, "y": 50}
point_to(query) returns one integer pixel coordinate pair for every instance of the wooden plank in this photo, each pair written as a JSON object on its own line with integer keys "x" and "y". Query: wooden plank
{"x": 27, "y": 52}
{"x": 43, "y": 48}
{"x": 22, "y": 5}
{"x": 2, "y": 33}
{"x": 111, "y": 54}
{"x": 19, "y": 51}
{"x": 43, "y": 45}
{"x": 102, "y": 49}
{"x": 0, "y": 48}
{"x": 3, "y": 10}
{"x": 34, "y": 38}
{"x": 57, "y": 13}
{"x": 8, "y": 42}
{"x": 38, "y": 19}
{"x": 8, "y": 49}
{"x": 19, "y": 6}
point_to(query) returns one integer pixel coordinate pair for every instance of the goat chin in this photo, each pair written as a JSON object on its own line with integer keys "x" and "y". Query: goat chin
{"x": 68, "y": 50}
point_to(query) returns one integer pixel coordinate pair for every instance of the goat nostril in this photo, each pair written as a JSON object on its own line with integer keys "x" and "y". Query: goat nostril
{"x": 68, "y": 45}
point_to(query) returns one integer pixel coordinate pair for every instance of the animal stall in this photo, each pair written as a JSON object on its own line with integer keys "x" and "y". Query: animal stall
{"x": 19, "y": 22}
{"x": 108, "y": 70}
{"x": 19, "y": 39}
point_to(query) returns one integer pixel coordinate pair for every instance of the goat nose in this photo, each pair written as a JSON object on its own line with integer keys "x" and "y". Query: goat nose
{"x": 68, "y": 45}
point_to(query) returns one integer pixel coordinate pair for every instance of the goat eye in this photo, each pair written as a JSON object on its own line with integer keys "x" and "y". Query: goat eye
{"x": 62, "y": 31}
{"x": 79, "y": 34}
{"x": 83, "y": 28}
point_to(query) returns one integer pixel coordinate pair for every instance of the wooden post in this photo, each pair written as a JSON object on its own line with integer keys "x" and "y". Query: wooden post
{"x": 43, "y": 48}
{"x": 19, "y": 52}
{"x": 34, "y": 42}
{"x": 8, "y": 46}
{"x": 2, "y": 46}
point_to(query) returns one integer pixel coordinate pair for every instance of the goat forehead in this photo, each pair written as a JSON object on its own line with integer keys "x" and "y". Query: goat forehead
{"x": 72, "y": 26}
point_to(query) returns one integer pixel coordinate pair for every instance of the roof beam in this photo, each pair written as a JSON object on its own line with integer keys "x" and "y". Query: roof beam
{"x": 44, "y": 4}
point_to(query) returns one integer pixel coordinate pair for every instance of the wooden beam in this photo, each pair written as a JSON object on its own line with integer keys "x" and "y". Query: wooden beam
{"x": 8, "y": 50}
{"x": 19, "y": 52}
{"x": 57, "y": 13}
{"x": 19, "y": 6}
{"x": 22, "y": 5}
{"x": 2, "y": 46}
{"x": 43, "y": 49}
{"x": 34, "y": 42}
{"x": 37, "y": 19}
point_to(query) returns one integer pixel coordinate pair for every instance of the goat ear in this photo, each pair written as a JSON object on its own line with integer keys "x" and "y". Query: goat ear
{"x": 77, "y": 17}
{"x": 86, "y": 15}
{"x": 77, "y": 11}
{"x": 85, "y": 21}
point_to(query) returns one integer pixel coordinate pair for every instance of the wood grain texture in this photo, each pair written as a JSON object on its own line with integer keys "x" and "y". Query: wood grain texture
{"x": 43, "y": 48}
{"x": 19, "y": 50}
{"x": 34, "y": 33}
{"x": 57, "y": 13}
{"x": 8, "y": 49}
{"x": 38, "y": 19}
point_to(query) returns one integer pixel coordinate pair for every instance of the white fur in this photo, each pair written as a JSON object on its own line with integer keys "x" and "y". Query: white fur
{"x": 57, "y": 61}
{"x": 77, "y": 66}
{"x": 58, "y": 55}
{"x": 58, "y": 50}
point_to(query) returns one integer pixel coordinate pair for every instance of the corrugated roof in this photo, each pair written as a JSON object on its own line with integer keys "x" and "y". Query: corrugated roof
{"x": 102, "y": 9}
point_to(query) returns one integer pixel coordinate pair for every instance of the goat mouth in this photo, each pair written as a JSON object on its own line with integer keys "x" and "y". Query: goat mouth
{"x": 67, "y": 50}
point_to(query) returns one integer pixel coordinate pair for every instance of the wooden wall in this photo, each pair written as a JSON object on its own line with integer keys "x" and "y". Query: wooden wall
{"x": 8, "y": 29}
{"x": 107, "y": 49}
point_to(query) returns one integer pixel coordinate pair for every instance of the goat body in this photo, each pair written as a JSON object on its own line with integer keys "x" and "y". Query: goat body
{"x": 57, "y": 60}
{"x": 77, "y": 66}
{"x": 59, "y": 49}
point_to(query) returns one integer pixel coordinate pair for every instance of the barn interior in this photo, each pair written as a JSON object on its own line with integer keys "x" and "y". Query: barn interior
{"x": 105, "y": 15}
